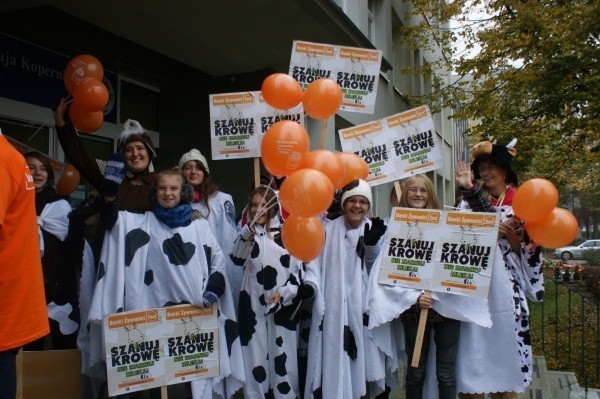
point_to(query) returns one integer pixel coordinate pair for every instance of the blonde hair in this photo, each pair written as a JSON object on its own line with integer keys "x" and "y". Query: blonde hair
{"x": 183, "y": 193}
{"x": 432, "y": 199}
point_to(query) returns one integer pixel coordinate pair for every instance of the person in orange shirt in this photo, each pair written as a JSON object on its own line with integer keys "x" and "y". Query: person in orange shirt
{"x": 23, "y": 316}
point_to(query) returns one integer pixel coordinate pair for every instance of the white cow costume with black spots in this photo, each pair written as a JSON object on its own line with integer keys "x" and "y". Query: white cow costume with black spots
{"x": 146, "y": 264}
{"x": 499, "y": 359}
{"x": 268, "y": 331}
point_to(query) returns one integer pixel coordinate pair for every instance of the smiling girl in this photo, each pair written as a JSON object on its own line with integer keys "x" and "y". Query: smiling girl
{"x": 60, "y": 278}
{"x": 170, "y": 256}
{"x": 272, "y": 288}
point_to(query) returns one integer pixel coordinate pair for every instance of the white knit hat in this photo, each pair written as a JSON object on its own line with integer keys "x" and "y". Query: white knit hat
{"x": 357, "y": 187}
{"x": 193, "y": 155}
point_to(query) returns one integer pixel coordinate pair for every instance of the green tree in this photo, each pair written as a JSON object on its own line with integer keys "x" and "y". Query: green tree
{"x": 534, "y": 76}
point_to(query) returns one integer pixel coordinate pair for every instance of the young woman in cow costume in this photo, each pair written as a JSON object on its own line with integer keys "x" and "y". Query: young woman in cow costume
{"x": 168, "y": 256}
{"x": 272, "y": 288}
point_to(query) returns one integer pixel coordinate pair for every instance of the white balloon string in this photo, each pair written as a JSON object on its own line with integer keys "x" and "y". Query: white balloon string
{"x": 263, "y": 208}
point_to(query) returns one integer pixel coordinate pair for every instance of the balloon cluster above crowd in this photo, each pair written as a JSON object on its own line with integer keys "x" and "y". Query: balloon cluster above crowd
{"x": 83, "y": 81}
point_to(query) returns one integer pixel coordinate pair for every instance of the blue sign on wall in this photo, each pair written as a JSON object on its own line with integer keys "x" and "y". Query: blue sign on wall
{"x": 34, "y": 75}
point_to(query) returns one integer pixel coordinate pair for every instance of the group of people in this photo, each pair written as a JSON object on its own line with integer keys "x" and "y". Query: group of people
{"x": 287, "y": 329}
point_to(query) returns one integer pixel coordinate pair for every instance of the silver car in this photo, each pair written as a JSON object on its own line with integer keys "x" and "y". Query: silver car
{"x": 566, "y": 253}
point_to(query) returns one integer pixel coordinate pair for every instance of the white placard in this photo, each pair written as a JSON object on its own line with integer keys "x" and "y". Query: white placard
{"x": 356, "y": 70}
{"x": 156, "y": 347}
{"x": 443, "y": 251}
{"x": 395, "y": 147}
{"x": 238, "y": 122}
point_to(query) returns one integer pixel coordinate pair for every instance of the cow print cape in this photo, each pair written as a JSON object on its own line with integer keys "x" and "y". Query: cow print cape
{"x": 145, "y": 264}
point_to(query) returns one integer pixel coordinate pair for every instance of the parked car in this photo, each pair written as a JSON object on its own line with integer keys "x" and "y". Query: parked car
{"x": 575, "y": 252}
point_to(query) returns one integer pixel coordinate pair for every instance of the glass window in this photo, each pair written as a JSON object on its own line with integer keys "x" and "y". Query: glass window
{"x": 139, "y": 103}
{"x": 98, "y": 148}
{"x": 34, "y": 136}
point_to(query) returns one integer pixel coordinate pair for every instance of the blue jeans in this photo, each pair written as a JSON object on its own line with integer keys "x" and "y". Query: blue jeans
{"x": 446, "y": 345}
{"x": 8, "y": 374}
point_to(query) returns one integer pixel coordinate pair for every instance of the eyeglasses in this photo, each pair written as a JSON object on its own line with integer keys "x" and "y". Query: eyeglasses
{"x": 354, "y": 201}
{"x": 416, "y": 190}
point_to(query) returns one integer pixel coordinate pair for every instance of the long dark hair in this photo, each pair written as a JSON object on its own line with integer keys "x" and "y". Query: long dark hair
{"x": 46, "y": 163}
{"x": 207, "y": 187}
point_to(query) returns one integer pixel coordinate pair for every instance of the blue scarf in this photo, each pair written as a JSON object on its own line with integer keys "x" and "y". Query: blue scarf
{"x": 179, "y": 216}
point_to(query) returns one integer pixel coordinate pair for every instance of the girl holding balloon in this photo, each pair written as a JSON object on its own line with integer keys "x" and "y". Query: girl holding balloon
{"x": 498, "y": 360}
{"x": 271, "y": 292}
{"x": 60, "y": 277}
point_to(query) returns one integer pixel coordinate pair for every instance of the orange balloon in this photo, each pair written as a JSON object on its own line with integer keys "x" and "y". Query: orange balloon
{"x": 306, "y": 192}
{"x": 556, "y": 230}
{"x": 327, "y": 162}
{"x": 91, "y": 95}
{"x": 81, "y": 67}
{"x": 535, "y": 199}
{"x": 283, "y": 147}
{"x": 69, "y": 180}
{"x": 85, "y": 121}
{"x": 281, "y": 91}
{"x": 322, "y": 98}
{"x": 303, "y": 237}
{"x": 354, "y": 167}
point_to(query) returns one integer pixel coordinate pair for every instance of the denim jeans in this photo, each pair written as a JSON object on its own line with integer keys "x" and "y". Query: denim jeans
{"x": 8, "y": 374}
{"x": 445, "y": 337}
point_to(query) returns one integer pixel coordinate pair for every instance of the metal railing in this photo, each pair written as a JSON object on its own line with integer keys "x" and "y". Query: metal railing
{"x": 565, "y": 328}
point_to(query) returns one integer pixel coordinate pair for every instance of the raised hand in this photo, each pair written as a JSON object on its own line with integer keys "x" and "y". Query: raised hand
{"x": 374, "y": 232}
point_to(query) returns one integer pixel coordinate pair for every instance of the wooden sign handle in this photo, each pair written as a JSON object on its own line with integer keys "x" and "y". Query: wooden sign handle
{"x": 420, "y": 333}
{"x": 163, "y": 392}
{"x": 256, "y": 172}
{"x": 323, "y": 134}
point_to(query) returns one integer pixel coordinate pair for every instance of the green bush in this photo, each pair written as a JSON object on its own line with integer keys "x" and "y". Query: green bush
{"x": 591, "y": 275}
{"x": 592, "y": 256}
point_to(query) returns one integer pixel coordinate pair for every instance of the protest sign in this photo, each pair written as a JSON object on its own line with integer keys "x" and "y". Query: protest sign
{"x": 158, "y": 347}
{"x": 356, "y": 70}
{"x": 238, "y": 122}
{"x": 443, "y": 251}
{"x": 133, "y": 355}
{"x": 395, "y": 147}
{"x": 191, "y": 349}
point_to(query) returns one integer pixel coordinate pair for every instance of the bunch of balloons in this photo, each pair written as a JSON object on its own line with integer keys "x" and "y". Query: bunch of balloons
{"x": 535, "y": 202}
{"x": 312, "y": 176}
{"x": 321, "y": 99}
{"x": 83, "y": 81}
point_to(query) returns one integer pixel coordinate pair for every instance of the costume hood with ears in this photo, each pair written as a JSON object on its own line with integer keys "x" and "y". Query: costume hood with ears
{"x": 498, "y": 154}
{"x": 133, "y": 131}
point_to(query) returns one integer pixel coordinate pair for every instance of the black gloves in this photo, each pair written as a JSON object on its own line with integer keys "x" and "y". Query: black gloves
{"x": 305, "y": 291}
{"x": 374, "y": 232}
{"x": 114, "y": 174}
